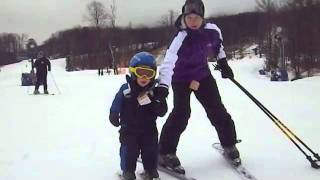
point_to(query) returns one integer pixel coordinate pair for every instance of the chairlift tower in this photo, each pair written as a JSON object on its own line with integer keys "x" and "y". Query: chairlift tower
{"x": 280, "y": 38}
{"x": 114, "y": 65}
{"x": 32, "y": 48}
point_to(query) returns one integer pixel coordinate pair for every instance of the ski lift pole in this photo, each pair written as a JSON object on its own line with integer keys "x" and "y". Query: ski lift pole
{"x": 55, "y": 83}
{"x": 281, "y": 126}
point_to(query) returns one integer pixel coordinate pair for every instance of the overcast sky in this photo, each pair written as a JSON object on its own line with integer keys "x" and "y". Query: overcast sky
{"x": 40, "y": 18}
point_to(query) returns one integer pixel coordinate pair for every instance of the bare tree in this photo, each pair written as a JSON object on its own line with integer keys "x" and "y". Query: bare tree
{"x": 172, "y": 17}
{"x": 113, "y": 15}
{"x": 266, "y": 5}
{"x": 164, "y": 21}
{"x": 303, "y": 27}
{"x": 96, "y": 14}
{"x": 168, "y": 19}
{"x": 10, "y": 47}
{"x": 269, "y": 8}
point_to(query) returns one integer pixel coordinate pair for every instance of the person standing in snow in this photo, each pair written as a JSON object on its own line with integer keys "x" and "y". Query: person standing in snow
{"x": 185, "y": 67}
{"x": 136, "y": 108}
{"x": 42, "y": 65}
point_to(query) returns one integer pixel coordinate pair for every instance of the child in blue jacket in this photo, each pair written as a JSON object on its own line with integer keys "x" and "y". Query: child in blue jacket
{"x": 135, "y": 109}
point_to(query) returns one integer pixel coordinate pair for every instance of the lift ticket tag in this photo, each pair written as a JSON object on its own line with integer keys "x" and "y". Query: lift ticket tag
{"x": 144, "y": 99}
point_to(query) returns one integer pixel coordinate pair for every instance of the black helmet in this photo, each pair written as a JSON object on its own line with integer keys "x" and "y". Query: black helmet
{"x": 193, "y": 6}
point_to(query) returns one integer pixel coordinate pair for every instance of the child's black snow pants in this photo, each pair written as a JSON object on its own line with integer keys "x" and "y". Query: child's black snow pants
{"x": 209, "y": 97}
{"x": 134, "y": 144}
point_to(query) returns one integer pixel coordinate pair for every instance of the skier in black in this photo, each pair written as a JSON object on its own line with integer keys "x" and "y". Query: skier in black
{"x": 42, "y": 65}
{"x": 135, "y": 108}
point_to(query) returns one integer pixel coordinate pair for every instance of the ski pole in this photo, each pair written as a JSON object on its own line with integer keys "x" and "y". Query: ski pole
{"x": 280, "y": 125}
{"x": 55, "y": 83}
{"x": 28, "y": 90}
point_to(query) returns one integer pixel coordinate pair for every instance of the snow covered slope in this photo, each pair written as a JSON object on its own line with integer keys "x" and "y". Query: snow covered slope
{"x": 68, "y": 135}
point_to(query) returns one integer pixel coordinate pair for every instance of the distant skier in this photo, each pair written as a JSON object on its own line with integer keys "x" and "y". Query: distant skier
{"x": 42, "y": 65}
{"x": 135, "y": 108}
{"x": 186, "y": 66}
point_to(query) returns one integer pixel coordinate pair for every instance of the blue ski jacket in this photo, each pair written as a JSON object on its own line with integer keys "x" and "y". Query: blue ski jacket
{"x": 136, "y": 118}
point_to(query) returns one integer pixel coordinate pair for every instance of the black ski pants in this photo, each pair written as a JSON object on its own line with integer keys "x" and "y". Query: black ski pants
{"x": 134, "y": 144}
{"x": 209, "y": 97}
{"x": 41, "y": 80}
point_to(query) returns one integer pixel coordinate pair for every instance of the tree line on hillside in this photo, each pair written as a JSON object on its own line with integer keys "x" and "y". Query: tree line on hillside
{"x": 100, "y": 46}
{"x": 122, "y": 41}
{"x": 292, "y": 26}
{"x": 301, "y": 34}
{"x": 290, "y": 30}
{"x": 11, "y": 44}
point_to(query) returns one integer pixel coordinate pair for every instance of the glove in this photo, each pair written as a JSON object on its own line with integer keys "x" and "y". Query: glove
{"x": 160, "y": 92}
{"x": 114, "y": 119}
{"x": 160, "y": 107}
{"x": 226, "y": 71}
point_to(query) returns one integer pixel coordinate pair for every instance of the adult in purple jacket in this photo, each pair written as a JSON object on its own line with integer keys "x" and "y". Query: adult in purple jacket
{"x": 185, "y": 67}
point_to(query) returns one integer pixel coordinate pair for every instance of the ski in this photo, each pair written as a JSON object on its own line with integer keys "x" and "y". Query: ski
{"x": 144, "y": 176}
{"x": 170, "y": 172}
{"x": 241, "y": 171}
{"x": 43, "y": 94}
{"x": 119, "y": 176}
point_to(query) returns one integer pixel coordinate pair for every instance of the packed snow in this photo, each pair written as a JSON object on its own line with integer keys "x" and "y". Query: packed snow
{"x": 68, "y": 135}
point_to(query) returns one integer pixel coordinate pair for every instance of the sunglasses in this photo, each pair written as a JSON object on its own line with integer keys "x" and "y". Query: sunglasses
{"x": 143, "y": 72}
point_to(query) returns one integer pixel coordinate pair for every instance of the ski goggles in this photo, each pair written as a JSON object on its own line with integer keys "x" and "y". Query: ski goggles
{"x": 143, "y": 72}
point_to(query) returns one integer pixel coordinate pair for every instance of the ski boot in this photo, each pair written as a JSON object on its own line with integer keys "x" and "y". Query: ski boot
{"x": 46, "y": 92}
{"x": 171, "y": 162}
{"x": 150, "y": 175}
{"x": 128, "y": 175}
{"x": 233, "y": 154}
{"x": 36, "y": 92}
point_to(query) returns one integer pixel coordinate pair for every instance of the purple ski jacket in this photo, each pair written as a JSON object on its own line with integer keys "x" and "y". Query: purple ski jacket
{"x": 186, "y": 58}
